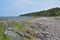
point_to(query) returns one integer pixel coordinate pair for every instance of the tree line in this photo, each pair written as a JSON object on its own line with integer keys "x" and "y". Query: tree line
{"x": 49, "y": 12}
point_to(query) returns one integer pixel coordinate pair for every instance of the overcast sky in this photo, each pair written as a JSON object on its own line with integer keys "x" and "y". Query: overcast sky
{"x": 18, "y": 7}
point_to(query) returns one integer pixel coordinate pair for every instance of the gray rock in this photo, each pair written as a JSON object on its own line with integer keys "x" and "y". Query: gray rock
{"x": 39, "y": 26}
{"x": 13, "y": 35}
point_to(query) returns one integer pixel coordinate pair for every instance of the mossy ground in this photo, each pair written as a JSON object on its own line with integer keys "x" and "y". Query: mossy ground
{"x": 19, "y": 27}
{"x": 2, "y": 35}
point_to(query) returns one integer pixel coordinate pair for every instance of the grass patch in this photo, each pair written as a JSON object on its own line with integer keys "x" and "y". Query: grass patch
{"x": 26, "y": 38}
{"x": 15, "y": 24}
{"x": 2, "y": 35}
{"x": 26, "y": 23}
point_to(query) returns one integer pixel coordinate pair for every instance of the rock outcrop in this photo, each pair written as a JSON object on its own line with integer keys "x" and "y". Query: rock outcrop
{"x": 19, "y": 30}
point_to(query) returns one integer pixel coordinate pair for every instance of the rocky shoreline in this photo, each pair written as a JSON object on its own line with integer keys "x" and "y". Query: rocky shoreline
{"x": 43, "y": 28}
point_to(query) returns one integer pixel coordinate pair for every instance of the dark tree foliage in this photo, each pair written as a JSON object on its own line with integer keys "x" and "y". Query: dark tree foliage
{"x": 49, "y": 12}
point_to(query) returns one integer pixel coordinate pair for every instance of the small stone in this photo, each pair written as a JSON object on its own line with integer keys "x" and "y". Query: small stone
{"x": 58, "y": 38}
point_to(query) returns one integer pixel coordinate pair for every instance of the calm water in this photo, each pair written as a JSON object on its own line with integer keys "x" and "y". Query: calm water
{"x": 18, "y": 18}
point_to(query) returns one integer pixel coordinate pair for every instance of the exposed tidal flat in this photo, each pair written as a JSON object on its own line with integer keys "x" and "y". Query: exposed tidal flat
{"x": 27, "y": 28}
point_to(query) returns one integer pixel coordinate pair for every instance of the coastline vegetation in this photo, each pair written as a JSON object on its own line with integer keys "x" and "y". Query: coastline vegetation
{"x": 46, "y": 13}
{"x": 17, "y": 24}
{"x": 2, "y": 35}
